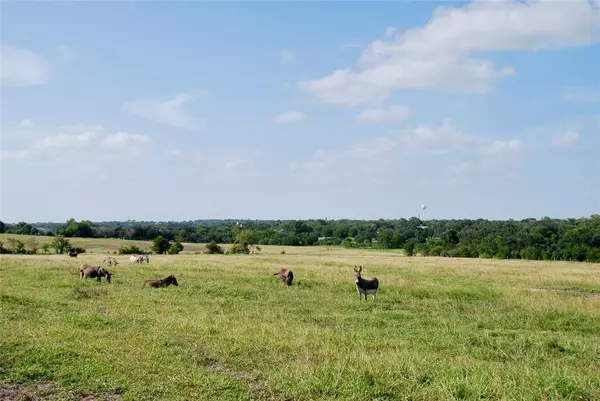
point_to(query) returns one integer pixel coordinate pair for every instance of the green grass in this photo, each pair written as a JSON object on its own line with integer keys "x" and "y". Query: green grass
{"x": 441, "y": 329}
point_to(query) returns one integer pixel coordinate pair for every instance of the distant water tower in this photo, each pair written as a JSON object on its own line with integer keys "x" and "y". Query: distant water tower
{"x": 422, "y": 216}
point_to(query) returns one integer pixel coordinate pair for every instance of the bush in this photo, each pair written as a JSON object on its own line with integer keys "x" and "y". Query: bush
{"x": 160, "y": 245}
{"x": 131, "y": 250}
{"x": 213, "y": 248}
{"x": 239, "y": 248}
{"x": 348, "y": 243}
{"x": 15, "y": 246}
{"x": 78, "y": 249}
{"x": 175, "y": 248}
{"x": 60, "y": 244}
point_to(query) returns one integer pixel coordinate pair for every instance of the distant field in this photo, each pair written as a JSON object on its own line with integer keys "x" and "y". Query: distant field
{"x": 441, "y": 329}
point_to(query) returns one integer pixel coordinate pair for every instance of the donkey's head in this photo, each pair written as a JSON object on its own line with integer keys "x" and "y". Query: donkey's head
{"x": 105, "y": 273}
{"x": 357, "y": 272}
{"x": 172, "y": 280}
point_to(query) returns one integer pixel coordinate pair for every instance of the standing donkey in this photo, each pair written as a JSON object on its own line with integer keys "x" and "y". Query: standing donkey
{"x": 365, "y": 285}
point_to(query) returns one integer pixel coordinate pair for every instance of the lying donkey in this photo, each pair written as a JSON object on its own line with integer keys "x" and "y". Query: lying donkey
{"x": 97, "y": 272}
{"x": 165, "y": 282}
{"x": 286, "y": 276}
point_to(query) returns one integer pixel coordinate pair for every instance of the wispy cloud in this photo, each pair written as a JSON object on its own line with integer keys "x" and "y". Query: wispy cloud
{"x": 438, "y": 138}
{"x": 498, "y": 147}
{"x": 289, "y": 117}
{"x": 565, "y": 140}
{"x": 58, "y": 146}
{"x": 384, "y": 115}
{"x": 22, "y": 67}
{"x": 590, "y": 94}
{"x": 169, "y": 111}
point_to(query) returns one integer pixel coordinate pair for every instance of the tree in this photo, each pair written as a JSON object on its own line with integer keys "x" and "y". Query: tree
{"x": 60, "y": 244}
{"x": 160, "y": 244}
{"x": 175, "y": 248}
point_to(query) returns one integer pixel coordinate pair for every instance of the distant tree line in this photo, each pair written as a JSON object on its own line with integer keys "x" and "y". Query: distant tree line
{"x": 545, "y": 239}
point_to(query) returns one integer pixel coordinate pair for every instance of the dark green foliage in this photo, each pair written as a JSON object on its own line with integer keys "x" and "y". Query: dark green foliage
{"x": 160, "y": 245}
{"x": 545, "y": 239}
{"x": 213, "y": 248}
{"x": 77, "y": 249}
{"x": 175, "y": 248}
{"x": 131, "y": 250}
{"x": 60, "y": 244}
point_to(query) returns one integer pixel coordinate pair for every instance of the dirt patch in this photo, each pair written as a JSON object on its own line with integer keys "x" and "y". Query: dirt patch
{"x": 258, "y": 387}
{"x": 48, "y": 391}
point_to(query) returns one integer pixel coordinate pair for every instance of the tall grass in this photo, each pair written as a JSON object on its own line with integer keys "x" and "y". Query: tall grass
{"x": 441, "y": 329}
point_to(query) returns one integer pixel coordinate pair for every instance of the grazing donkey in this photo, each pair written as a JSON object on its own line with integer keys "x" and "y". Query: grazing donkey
{"x": 165, "y": 282}
{"x": 139, "y": 259}
{"x": 365, "y": 285}
{"x": 286, "y": 276}
{"x": 110, "y": 261}
{"x": 97, "y": 272}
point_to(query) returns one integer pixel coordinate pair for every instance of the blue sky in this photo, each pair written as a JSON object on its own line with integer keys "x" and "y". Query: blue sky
{"x": 184, "y": 110}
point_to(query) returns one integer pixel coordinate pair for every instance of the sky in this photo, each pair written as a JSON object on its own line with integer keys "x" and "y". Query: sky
{"x": 295, "y": 110}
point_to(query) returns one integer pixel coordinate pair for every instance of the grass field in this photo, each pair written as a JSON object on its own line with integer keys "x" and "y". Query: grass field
{"x": 441, "y": 329}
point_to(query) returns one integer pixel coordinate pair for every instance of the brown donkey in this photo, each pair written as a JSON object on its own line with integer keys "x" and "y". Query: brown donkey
{"x": 165, "y": 282}
{"x": 97, "y": 272}
{"x": 286, "y": 276}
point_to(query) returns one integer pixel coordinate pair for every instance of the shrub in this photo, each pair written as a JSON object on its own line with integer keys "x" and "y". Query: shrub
{"x": 175, "y": 248}
{"x": 160, "y": 245}
{"x": 78, "y": 249}
{"x": 131, "y": 250}
{"x": 15, "y": 246}
{"x": 213, "y": 248}
{"x": 60, "y": 244}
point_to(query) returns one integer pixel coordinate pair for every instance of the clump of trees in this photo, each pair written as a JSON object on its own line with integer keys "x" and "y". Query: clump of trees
{"x": 162, "y": 245}
{"x": 544, "y": 239}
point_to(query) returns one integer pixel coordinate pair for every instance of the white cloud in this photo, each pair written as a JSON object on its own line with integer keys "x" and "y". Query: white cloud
{"x": 440, "y": 138}
{"x": 503, "y": 146}
{"x": 442, "y": 54}
{"x": 125, "y": 140}
{"x": 86, "y": 143}
{"x": 26, "y": 123}
{"x": 382, "y": 115}
{"x": 565, "y": 140}
{"x": 169, "y": 112}
{"x": 359, "y": 151}
{"x": 286, "y": 57}
{"x": 22, "y": 67}
{"x": 588, "y": 94}
{"x": 290, "y": 117}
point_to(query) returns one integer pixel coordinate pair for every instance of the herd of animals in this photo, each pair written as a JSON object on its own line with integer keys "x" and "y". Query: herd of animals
{"x": 364, "y": 286}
